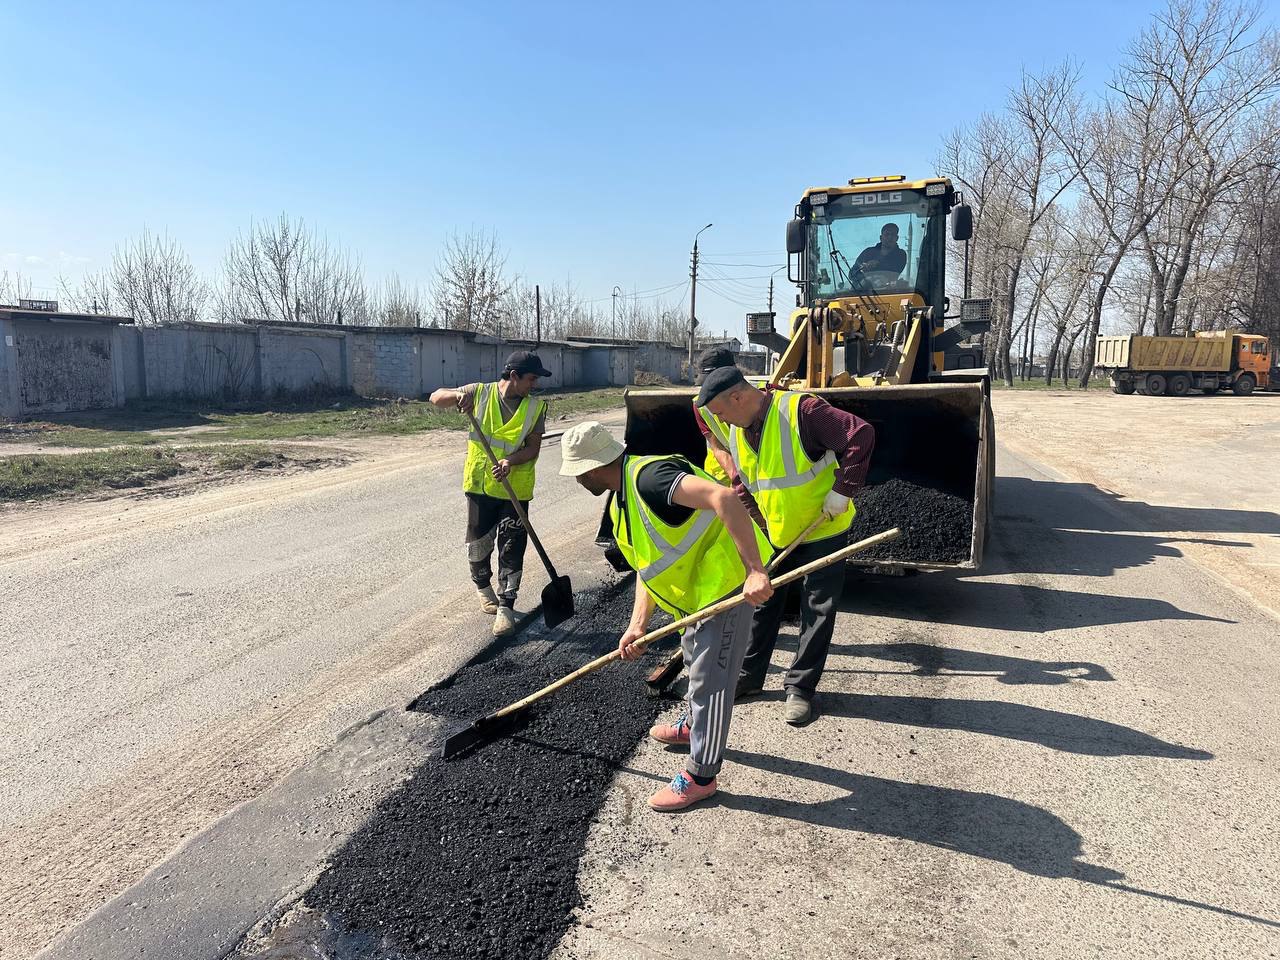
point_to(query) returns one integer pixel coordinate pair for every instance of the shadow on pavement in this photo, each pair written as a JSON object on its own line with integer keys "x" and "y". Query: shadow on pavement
{"x": 1074, "y": 506}
{"x": 990, "y": 605}
{"x": 931, "y": 661}
{"x": 981, "y": 824}
{"x": 1013, "y": 721}
{"x": 1026, "y": 837}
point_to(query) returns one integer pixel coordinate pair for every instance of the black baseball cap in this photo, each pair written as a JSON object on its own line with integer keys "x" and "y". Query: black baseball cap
{"x": 526, "y": 361}
{"x": 713, "y": 358}
{"x": 717, "y": 382}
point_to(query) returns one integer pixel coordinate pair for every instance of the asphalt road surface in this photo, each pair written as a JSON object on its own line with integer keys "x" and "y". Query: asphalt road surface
{"x": 166, "y": 659}
{"x": 1072, "y": 754}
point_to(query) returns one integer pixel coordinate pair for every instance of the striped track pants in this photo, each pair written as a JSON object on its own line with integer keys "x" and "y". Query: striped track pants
{"x": 713, "y": 652}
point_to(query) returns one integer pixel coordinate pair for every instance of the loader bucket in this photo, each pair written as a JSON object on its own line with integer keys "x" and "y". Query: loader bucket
{"x": 936, "y": 440}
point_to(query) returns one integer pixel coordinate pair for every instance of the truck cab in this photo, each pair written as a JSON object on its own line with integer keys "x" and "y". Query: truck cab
{"x": 1253, "y": 355}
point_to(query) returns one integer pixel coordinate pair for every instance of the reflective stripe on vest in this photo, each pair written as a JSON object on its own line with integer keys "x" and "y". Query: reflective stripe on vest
{"x": 791, "y": 493}
{"x": 506, "y": 437}
{"x": 683, "y": 568}
{"x": 720, "y": 430}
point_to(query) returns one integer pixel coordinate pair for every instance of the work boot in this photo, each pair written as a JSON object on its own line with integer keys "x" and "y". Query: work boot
{"x": 675, "y": 734}
{"x": 488, "y": 600}
{"x": 681, "y": 792}
{"x": 504, "y": 622}
{"x": 798, "y": 711}
{"x": 746, "y": 689}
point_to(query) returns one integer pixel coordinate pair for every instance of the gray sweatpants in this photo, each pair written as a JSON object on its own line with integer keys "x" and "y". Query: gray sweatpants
{"x": 713, "y": 652}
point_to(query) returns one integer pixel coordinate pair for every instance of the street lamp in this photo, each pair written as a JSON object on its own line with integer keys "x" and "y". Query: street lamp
{"x": 693, "y": 294}
{"x": 617, "y": 292}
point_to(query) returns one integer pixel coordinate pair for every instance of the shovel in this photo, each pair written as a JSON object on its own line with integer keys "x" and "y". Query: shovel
{"x": 665, "y": 673}
{"x": 557, "y": 596}
{"x": 501, "y": 721}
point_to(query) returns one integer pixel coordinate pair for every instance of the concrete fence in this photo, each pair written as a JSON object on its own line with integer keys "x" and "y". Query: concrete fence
{"x": 55, "y": 362}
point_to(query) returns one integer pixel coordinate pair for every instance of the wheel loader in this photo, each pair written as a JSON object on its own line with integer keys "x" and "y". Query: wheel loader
{"x": 871, "y": 336}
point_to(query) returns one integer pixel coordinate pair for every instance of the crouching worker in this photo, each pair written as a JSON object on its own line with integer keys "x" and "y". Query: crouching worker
{"x": 691, "y": 543}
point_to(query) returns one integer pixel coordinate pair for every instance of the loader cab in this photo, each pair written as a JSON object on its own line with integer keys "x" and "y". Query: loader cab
{"x": 880, "y": 244}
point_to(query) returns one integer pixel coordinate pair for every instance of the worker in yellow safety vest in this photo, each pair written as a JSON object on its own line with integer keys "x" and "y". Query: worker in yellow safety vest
{"x": 719, "y": 463}
{"x": 514, "y": 422}
{"x": 796, "y": 458}
{"x": 691, "y": 543}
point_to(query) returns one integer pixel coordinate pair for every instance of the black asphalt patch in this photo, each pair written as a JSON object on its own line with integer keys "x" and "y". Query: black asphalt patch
{"x": 477, "y": 857}
{"x": 937, "y": 527}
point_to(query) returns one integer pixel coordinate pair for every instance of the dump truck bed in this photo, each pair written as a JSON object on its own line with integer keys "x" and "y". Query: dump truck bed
{"x": 1157, "y": 354}
{"x": 933, "y": 441}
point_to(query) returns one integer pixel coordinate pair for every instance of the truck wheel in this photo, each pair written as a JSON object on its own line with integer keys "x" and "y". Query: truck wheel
{"x": 1156, "y": 384}
{"x": 1124, "y": 387}
{"x": 1244, "y": 386}
{"x": 1179, "y": 385}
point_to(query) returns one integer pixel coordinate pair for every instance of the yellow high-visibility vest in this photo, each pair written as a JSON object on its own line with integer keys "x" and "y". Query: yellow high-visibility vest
{"x": 683, "y": 568}
{"x": 720, "y": 430}
{"x": 788, "y": 487}
{"x": 506, "y": 437}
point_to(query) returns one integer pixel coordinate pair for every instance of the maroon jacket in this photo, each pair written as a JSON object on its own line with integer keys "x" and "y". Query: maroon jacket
{"x": 822, "y": 427}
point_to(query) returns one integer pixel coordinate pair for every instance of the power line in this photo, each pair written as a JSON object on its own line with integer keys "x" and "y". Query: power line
{"x": 710, "y": 285}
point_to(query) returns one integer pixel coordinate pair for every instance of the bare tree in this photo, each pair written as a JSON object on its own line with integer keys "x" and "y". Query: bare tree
{"x": 471, "y": 282}
{"x": 95, "y": 293}
{"x": 1218, "y": 75}
{"x": 396, "y": 304}
{"x": 284, "y": 270}
{"x": 155, "y": 283}
{"x": 14, "y": 287}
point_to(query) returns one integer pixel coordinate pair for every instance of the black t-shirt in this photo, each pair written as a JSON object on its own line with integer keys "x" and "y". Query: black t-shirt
{"x": 878, "y": 258}
{"x": 657, "y": 482}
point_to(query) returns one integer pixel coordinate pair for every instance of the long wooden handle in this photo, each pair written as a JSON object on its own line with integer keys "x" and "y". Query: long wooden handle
{"x": 786, "y": 551}
{"x": 515, "y": 501}
{"x": 716, "y": 608}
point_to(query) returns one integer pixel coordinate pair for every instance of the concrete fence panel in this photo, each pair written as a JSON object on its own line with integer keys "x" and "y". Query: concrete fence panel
{"x": 65, "y": 366}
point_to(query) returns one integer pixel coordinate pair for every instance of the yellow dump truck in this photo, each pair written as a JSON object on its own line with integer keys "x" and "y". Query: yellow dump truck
{"x": 1174, "y": 366}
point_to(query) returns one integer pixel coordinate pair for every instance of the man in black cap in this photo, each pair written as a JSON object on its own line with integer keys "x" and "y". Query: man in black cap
{"x": 714, "y": 431}
{"x": 513, "y": 422}
{"x": 797, "y": 461}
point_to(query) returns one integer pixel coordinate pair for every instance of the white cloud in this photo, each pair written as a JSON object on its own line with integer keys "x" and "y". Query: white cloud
{"x": 32, "y": 258}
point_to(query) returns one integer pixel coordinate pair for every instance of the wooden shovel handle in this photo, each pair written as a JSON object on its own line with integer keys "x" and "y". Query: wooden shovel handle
{"x": 716, "y": 608}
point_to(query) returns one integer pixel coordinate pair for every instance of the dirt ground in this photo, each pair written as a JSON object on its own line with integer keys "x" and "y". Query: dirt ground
{"x": 1188, "y": 465}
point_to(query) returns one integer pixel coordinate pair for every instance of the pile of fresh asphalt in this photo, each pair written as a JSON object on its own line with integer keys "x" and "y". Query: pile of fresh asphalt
{"x": 937, "y": 527}
{"x": 477, "y": 857}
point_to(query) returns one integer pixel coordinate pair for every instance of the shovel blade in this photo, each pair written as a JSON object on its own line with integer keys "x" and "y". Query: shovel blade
{"x": 557, "y": 601}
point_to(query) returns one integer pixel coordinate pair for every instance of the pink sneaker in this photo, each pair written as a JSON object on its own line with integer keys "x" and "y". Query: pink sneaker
{"x": 681, "y": 792}
{"x": 676, "y": 734}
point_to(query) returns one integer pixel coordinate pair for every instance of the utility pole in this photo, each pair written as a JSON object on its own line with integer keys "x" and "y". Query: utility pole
{"x": 771, "y": 294}
{"x": 693, "y": 296}
{"x": 616, "y": 291}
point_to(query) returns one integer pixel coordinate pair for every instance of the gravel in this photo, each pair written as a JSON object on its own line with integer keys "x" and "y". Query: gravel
{"x": 936, "y": 527}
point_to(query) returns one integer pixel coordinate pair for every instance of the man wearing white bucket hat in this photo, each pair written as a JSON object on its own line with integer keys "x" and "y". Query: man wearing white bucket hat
{"x": 691, "y": 542}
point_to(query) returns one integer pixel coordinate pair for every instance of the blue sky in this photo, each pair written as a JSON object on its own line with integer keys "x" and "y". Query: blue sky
{"x": 594, "y": 139}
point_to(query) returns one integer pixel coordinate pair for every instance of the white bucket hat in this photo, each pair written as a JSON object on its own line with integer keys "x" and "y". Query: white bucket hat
{"x": 586, "y": 446}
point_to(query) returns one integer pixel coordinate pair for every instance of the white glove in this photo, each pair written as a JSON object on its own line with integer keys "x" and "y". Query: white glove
{"x": 834, "y": 505}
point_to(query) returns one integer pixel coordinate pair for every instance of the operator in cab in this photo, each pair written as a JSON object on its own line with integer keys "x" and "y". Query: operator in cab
{"x": 885, "y": 256}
